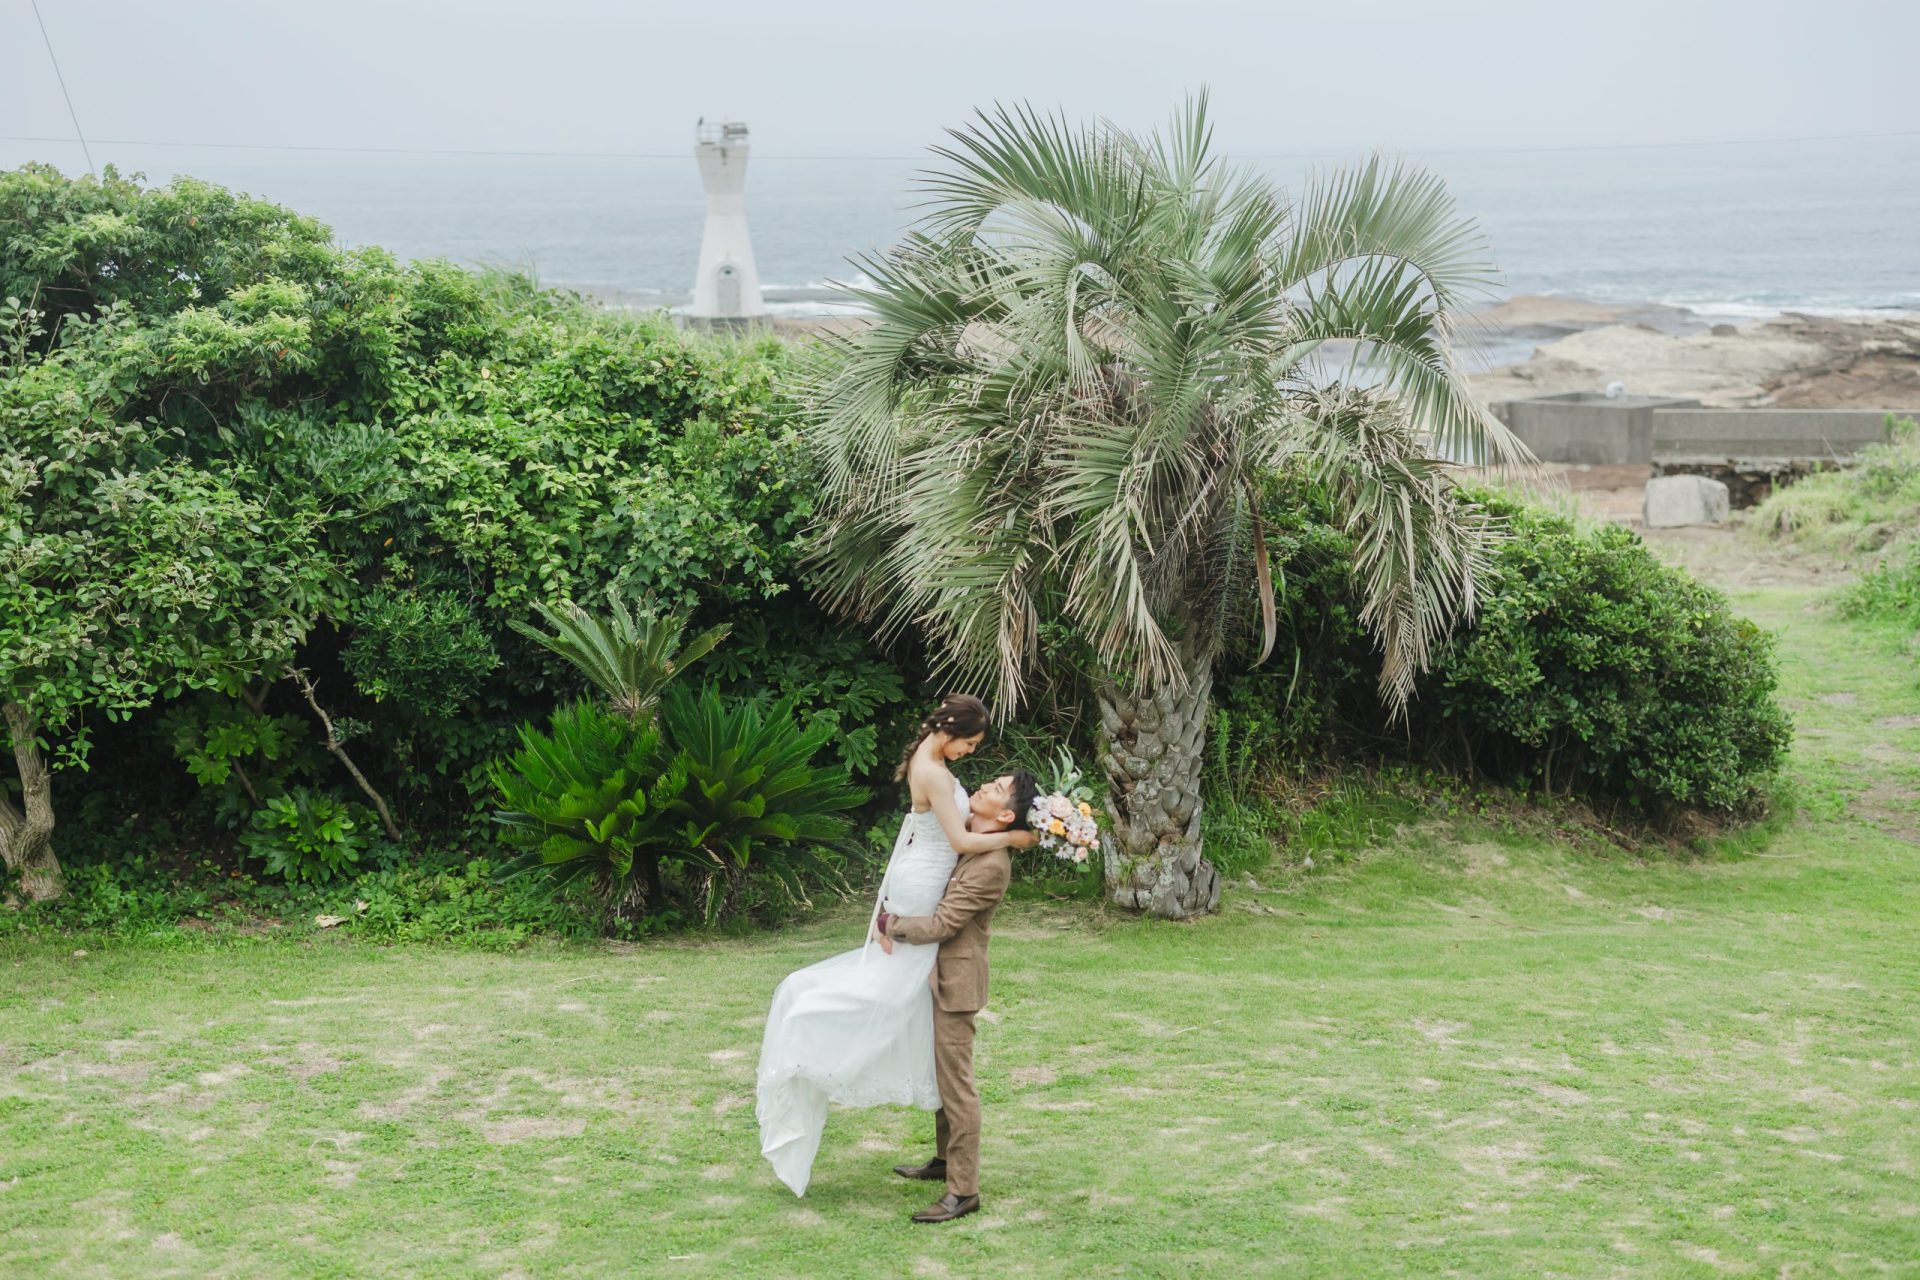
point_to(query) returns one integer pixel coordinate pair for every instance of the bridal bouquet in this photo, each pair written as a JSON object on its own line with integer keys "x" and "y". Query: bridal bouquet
{"x": 1063, "y": 815}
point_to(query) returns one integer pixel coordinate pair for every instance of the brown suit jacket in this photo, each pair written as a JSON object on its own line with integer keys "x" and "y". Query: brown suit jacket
{"x": 960, "y": 925}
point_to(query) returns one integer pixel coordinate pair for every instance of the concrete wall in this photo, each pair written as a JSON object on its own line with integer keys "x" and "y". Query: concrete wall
{"x": 1583, "y": 427}
{"x": 1766, "y": 433}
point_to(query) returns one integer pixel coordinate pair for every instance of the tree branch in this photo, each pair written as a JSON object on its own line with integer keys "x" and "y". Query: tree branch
{"x": 333, "y": 744}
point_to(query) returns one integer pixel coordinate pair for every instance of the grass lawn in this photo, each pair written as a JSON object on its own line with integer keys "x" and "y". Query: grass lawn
{"x": 1470, "y": 1051}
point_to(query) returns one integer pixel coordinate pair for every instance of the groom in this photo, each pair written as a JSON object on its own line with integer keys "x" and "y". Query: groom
{"x": 959, "y": 924}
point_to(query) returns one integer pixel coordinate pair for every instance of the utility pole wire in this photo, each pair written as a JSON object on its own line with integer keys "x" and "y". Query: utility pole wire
{"x": 73, "y": 115}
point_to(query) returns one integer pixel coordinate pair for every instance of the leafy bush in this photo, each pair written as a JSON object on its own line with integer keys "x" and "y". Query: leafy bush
{"x": 307, "y": 835}
{"x": 1591, "y": 668}
{"x": 742, "y": 793}
{"x": 361, "y": 468}
{"x": 833, "y": 677}
{"x": 1594, "y": 667}
{"x": 422, "y": 650}
{"x": 1239, "y": 817}
{"x": 239, "y": 755}
{"x": 465, "y": 903}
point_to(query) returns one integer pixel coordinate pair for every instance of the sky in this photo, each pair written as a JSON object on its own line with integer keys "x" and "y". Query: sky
{"x": 885, "y": 77}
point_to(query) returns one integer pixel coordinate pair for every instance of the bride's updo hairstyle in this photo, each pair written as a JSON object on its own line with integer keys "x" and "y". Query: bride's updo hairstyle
{"x": 959, "y": 715}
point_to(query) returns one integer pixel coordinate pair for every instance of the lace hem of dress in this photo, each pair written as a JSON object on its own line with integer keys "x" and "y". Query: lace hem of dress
{"x": 901, "y": 1091}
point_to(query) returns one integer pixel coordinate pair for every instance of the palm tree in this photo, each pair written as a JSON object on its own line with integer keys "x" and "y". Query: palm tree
{"x": 1082, "y": 362}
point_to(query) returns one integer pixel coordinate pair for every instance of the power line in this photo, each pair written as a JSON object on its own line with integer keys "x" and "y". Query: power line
{"x": 682, "y": 155}
{"x": 71, "y": 113}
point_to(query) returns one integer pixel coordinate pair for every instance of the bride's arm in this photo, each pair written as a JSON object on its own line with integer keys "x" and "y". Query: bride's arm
{"x": 938, "y": 785}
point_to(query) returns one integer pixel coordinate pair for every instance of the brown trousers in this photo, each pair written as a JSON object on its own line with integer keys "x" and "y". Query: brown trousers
{"x": 956, "y": 1126}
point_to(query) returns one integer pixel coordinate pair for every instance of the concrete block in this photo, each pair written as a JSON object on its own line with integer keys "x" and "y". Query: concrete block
{"x": 1676, "y": 501}
{"x": 1587, "y": 427}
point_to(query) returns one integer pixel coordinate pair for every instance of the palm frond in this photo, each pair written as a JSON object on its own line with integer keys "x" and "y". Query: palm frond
{"x": 630, "y": 657}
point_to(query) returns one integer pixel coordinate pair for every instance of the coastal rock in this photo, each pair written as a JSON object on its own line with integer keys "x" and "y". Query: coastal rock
{"x": 1532, "y": 315}
{"x": 1674, "y": 502}
{"x": 1791, "y": 362}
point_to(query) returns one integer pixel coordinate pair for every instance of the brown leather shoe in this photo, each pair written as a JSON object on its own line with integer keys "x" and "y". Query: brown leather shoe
{"x": 934, "y": 1170}
{"x": 947, "y": 1208}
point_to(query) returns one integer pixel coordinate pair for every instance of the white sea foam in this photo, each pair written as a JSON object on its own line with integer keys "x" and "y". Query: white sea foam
{"x": 1722, "y": 309}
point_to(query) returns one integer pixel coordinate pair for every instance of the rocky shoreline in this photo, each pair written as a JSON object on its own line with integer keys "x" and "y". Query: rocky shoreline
{"x": 1792, "y": 361}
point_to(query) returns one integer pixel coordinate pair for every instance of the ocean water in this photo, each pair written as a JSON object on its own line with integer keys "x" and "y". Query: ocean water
{"x": 1730, "y": 231}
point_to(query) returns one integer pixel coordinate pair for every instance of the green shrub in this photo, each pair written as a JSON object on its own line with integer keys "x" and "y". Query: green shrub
{"x": 1593, "y": 667}
{"x": 1239, "y": 818}
{"x": 424, "y": 651}
{"x": 465, "y": 903}
{"x": 389, "y": 463}
{"x": 307, "y": 835}
{"x": 742, "y": 794}
{"x": 239, "y": 756}
{"x": 786, "y": 652}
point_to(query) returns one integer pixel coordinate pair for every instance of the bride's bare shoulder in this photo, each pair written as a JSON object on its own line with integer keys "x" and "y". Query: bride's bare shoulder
{"x": 925, "y": 776}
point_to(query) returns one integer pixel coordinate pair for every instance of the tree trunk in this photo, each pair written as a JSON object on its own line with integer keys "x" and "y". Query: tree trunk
{"x": 26, "y": 838}
{"x": 1150, "y": 745}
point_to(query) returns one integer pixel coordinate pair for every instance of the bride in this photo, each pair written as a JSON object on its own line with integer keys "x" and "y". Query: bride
{"x": 857, "y": 1029}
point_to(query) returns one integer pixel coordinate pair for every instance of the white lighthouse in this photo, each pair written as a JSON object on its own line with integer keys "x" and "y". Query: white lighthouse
{"x": 726, "y": 289}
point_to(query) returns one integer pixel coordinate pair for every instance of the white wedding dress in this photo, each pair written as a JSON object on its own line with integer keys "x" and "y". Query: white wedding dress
{"x": 857, "y": 1029}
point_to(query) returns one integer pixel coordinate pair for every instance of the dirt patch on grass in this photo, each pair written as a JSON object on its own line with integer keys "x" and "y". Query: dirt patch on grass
{"x": 1893, "y": 810}
{"x": 521, "y": 1128}
{"x": 307, "y": 1060}
{"x": 1730, "y": 559}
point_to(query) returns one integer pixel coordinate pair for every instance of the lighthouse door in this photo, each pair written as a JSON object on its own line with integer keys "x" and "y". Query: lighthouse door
{"x": 727, "y": 290}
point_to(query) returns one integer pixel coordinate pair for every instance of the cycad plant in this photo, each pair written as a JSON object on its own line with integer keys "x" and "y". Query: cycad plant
{"x": 1083, "y": 362}
{"x": 630, "y": 657}
{"x": 744, "y": 781}
{"x": 574, "y": 799}
{"x": 692, "y": 801}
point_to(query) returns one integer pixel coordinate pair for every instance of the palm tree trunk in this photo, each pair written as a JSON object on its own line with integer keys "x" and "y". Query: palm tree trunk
{"x": 26, "y": 837}
{"x": 1150, "y": 745}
